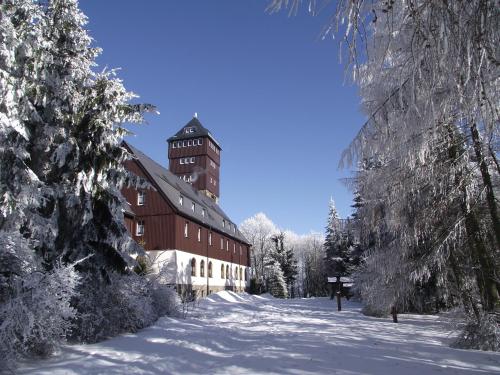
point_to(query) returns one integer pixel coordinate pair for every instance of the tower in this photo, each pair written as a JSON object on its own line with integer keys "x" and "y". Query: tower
{"x": 194, "y": 156}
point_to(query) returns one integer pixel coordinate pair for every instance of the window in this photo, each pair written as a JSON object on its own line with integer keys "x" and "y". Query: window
{"x": 193, "y": 205}
{"x": 246, "y": 271}
{"x": 210, "y": 239}
{"x": 202, "y": 268}
{"x": 227, "y": 272}
{"x": 179, "y": 144}
{"x": 234, "y": 228}
{"x": 227, "y": 245}
{"x": 234, "y": 248}
{"x": 200, "y": 142}
{"x": 203, "y": 212}
{"x": 241, "y": 273}
{"x": 236, "y": 273}
{"x": 222, "y": 243}
{"x": 141, "y": 198}
{"x": 193, "y": 267}
{"x": 199, "y": 234}
{"x": 140, "y": 228}
{"x": 174, "y": 144}
{"x": 189, "y": 143}
{"x": 210, "y": 269}
{"x": 191, "y": 160}
{"x": 181, "y": 161}
{"x": 221, "y": 271}
{"x": 181, "y": 200}
{"x": 184, "y": 144}
{"x": 223, "y": 223}
{"x": 186, "y": 229}
{"x": 215, "y": 182}
{"x": 240, "y": 250}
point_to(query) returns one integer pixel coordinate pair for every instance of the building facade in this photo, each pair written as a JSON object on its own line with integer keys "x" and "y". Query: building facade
{"x": 178, "y": 220}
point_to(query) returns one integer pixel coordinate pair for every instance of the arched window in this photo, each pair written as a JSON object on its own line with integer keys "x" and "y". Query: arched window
{"x": 221, "y": 271}
{"x": 209, "y": 269}
{"x": 236, "y": 273}
{"x": 202, "y": 268}
{"x": 246, "y": 274}
{"x": 193, "y": 267}
{"x": 241, "y": 273}
{"x": 227, "y": 272}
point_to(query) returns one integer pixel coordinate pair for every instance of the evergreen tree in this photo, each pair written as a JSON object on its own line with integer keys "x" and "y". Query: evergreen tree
{"x": 338, "y": 245}
{"x": 285, "y": 259}
{"x": 276, "y": 281}
{"x": 60, "y": 154}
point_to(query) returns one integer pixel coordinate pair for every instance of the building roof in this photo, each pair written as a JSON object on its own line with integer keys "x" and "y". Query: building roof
{"x": 172, "y": 187}
{"x": 198, "y": 131}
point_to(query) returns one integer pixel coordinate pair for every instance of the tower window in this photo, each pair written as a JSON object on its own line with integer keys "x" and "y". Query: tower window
{"x": 222, "y": 243}
{"x": 193, "y": 205}
{"x": 200, "y": 142}
{"x": 234, "y": 248}
{"x": 139, "y": 231}
{"x": 186, "y": 229}
{"x": 189, "y": 143}
{"x": 181, "y": 200}
{"x": 191, "y": 160}
{"x": 223, "y": 223}
{"x": 199, "y": 234}
{"x": 210, "y": 239}
{"x": 203, "y": 212}
{"x": 141, "y": 198}
{"x": 227, "y": 245}
{"x": 181, "y": 161}
{"x": 173, "y": 144}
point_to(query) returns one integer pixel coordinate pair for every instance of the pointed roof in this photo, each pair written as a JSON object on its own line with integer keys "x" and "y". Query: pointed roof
{"x": 198, "y": 131}
{"x": 171, "y": 187}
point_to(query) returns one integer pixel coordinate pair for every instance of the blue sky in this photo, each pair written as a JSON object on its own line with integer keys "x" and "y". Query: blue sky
{"x": 267, "y": 87}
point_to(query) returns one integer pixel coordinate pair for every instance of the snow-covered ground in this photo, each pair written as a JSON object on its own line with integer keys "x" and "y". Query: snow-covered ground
{"x": 242, "y": 334}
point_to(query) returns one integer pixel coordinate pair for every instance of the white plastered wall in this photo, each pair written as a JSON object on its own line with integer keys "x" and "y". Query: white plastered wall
{"x": 178, "y": 266}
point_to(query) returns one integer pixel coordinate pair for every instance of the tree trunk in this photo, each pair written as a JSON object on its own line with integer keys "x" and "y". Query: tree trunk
{"x": 486, "y": 262}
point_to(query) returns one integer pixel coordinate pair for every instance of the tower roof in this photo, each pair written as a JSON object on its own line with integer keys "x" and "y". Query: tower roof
{"x": 198, "y": 130}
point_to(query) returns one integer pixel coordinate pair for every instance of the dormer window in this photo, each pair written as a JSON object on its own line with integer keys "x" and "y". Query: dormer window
{"x": 181, "y": 200}
{"x": 223, "y": 223}
{"x": 189, "y": 130}
{"x": 193, "y": 207}
{"x": 141, "y": 198}
{"x": 203, "y": 212}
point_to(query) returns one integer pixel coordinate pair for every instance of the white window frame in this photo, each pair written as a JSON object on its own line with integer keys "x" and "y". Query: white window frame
{"x": 139, "y": 228}
{"x": 141, "y": 198}
{"x": 193, "y": 205}
{"x": 210, "y": 239}
{"x": 227, "y": 245}
{"x": 199, "y": 234}
{"x": 186, "y": 229}
{"x": 173, "y": 145}
{"x": 223, "y": 223}
{"x": 181, "y": 161}
{"x": 184, "y": 143}
{"x": 203, "y": 212}
{"x": 181, "y": 200}
{"x": 191, "y": 160}
{"x": 200, "y": 142}
{"x": 190, "y": 143}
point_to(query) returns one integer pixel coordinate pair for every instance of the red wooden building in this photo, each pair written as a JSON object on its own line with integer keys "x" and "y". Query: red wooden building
{"x": 179, "y": 221}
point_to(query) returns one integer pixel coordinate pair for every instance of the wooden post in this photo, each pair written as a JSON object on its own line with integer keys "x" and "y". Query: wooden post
{"x": 339, "y": 289}
{"x": 394, "y": 313}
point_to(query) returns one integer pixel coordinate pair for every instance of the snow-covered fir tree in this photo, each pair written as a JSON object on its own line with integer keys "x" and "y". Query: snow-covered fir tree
{"x": 338, "y": 245}
{"x": 276, "y": 281}
{"x": 61, "y": 126}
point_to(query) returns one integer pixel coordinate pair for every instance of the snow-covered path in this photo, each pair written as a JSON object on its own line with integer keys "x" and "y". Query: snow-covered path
{"x": 242, "y": 334}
